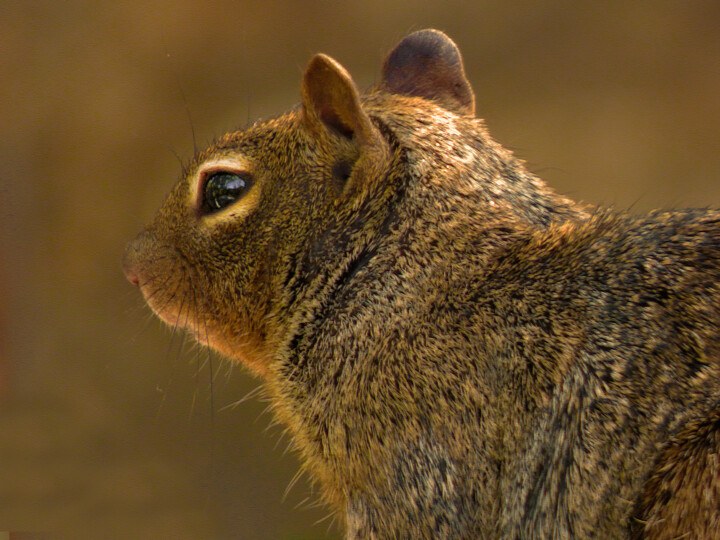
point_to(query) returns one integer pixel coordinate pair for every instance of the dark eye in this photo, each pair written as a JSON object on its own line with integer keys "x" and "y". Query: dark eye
{"x": 224, "y": 188}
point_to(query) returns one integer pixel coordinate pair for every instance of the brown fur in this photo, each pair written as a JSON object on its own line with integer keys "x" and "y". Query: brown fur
{"x": 457, "y": 351}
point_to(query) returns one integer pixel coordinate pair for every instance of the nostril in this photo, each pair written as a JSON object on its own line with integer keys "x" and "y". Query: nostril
{"x": 140, "y": 257}
{"x": 130, "y": 261}
{"x": 129, "y": 267}
{"x": 131, "y": 276}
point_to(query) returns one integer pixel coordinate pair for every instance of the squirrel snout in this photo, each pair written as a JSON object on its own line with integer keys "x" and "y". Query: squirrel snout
{"x": 129, "y": 265}
{"x": 135, "y": 253}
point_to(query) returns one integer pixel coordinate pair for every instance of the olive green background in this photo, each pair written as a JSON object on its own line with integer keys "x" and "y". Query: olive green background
{"x": 109, "y": 427}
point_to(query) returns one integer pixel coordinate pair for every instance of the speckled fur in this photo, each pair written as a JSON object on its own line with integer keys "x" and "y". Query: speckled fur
{"x": 457, "y": 351}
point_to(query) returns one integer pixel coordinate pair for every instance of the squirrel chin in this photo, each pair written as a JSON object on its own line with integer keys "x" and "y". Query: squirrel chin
{"x": 242, "y": 351}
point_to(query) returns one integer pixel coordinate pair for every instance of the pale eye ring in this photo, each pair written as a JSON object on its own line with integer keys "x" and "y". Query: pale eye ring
{"x": 223, "y": 188}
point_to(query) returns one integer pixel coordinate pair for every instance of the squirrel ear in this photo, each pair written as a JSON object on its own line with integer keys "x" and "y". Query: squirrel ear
{"x": 428, "y": 64}
{"x": 331, "y": 98}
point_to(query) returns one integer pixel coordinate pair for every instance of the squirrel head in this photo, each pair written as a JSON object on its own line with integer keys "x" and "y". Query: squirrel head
{"x": 260, "y": 218}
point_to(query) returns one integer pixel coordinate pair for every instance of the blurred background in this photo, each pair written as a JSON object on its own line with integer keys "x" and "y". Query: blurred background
{"x": 109, "y": 424}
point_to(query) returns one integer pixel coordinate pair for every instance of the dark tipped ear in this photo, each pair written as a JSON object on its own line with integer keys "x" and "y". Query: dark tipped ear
{"x": 331, "y": 99}
{"x": 428, "y": 64}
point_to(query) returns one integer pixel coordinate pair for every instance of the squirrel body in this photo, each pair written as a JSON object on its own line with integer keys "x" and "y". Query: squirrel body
{"x": 456, "y": 350}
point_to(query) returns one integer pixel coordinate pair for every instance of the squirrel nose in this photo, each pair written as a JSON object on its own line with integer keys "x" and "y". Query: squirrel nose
{"x": 130, "y": 274}
{"x": 129, "y": 265}
{"x": 135, "y": 253}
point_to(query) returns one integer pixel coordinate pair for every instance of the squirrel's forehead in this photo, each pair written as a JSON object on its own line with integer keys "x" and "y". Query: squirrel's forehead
{"x": 262, "y": 134}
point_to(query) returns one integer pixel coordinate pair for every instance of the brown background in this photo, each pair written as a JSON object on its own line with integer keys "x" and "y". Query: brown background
{"x": 108, "y": 425}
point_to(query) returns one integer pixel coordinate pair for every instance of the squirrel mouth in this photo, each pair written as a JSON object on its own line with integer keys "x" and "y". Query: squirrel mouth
{"x": 179, "y": 315}
{"x": 176, "y": 313}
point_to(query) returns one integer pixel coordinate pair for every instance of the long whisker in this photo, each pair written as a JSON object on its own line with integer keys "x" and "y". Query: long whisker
{"x": 173, "y": 334}
{"x": 186, "y": 104}
{"x": 251, "y": 394}
{"x": 292, "y": 483}
{"x": 202, "y": 320}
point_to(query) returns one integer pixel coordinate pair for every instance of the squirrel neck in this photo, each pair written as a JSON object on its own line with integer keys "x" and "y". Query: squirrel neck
{"x": 346, "y": 332}
{"x": 455, "y": 162}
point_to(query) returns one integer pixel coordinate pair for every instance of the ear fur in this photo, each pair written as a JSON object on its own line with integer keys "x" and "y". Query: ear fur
{"x": 428, "y": 64}
{"x": 331, "y": 100}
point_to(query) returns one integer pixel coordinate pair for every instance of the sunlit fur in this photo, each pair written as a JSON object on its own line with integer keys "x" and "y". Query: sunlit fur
{"x": 456, "y": 351}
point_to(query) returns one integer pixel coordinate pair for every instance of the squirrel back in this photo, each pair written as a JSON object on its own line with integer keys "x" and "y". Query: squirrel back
{"x": 456, "y": 350}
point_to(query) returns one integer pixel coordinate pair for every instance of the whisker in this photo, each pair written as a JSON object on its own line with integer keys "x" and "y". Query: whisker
{"x": 332, "y": 524}
{"x": 186, "y": 104}
{"x": 252, "y": 393}
{"x": 292, "y": 483}
{"x": 290, "y": 446}
{"x": 202, "y": 319}
{"x": 171, "y": 343}
{"x": 321, "y": 520}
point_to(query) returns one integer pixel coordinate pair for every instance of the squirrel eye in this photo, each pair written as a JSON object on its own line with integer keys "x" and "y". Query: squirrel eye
{"x": 224, "y": 188}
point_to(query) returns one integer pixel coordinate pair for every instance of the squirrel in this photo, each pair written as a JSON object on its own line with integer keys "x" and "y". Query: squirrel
{"x": 456, "y": 350}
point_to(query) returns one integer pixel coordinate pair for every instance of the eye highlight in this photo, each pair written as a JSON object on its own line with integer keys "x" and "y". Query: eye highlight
{"x": 222, "y": 188}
